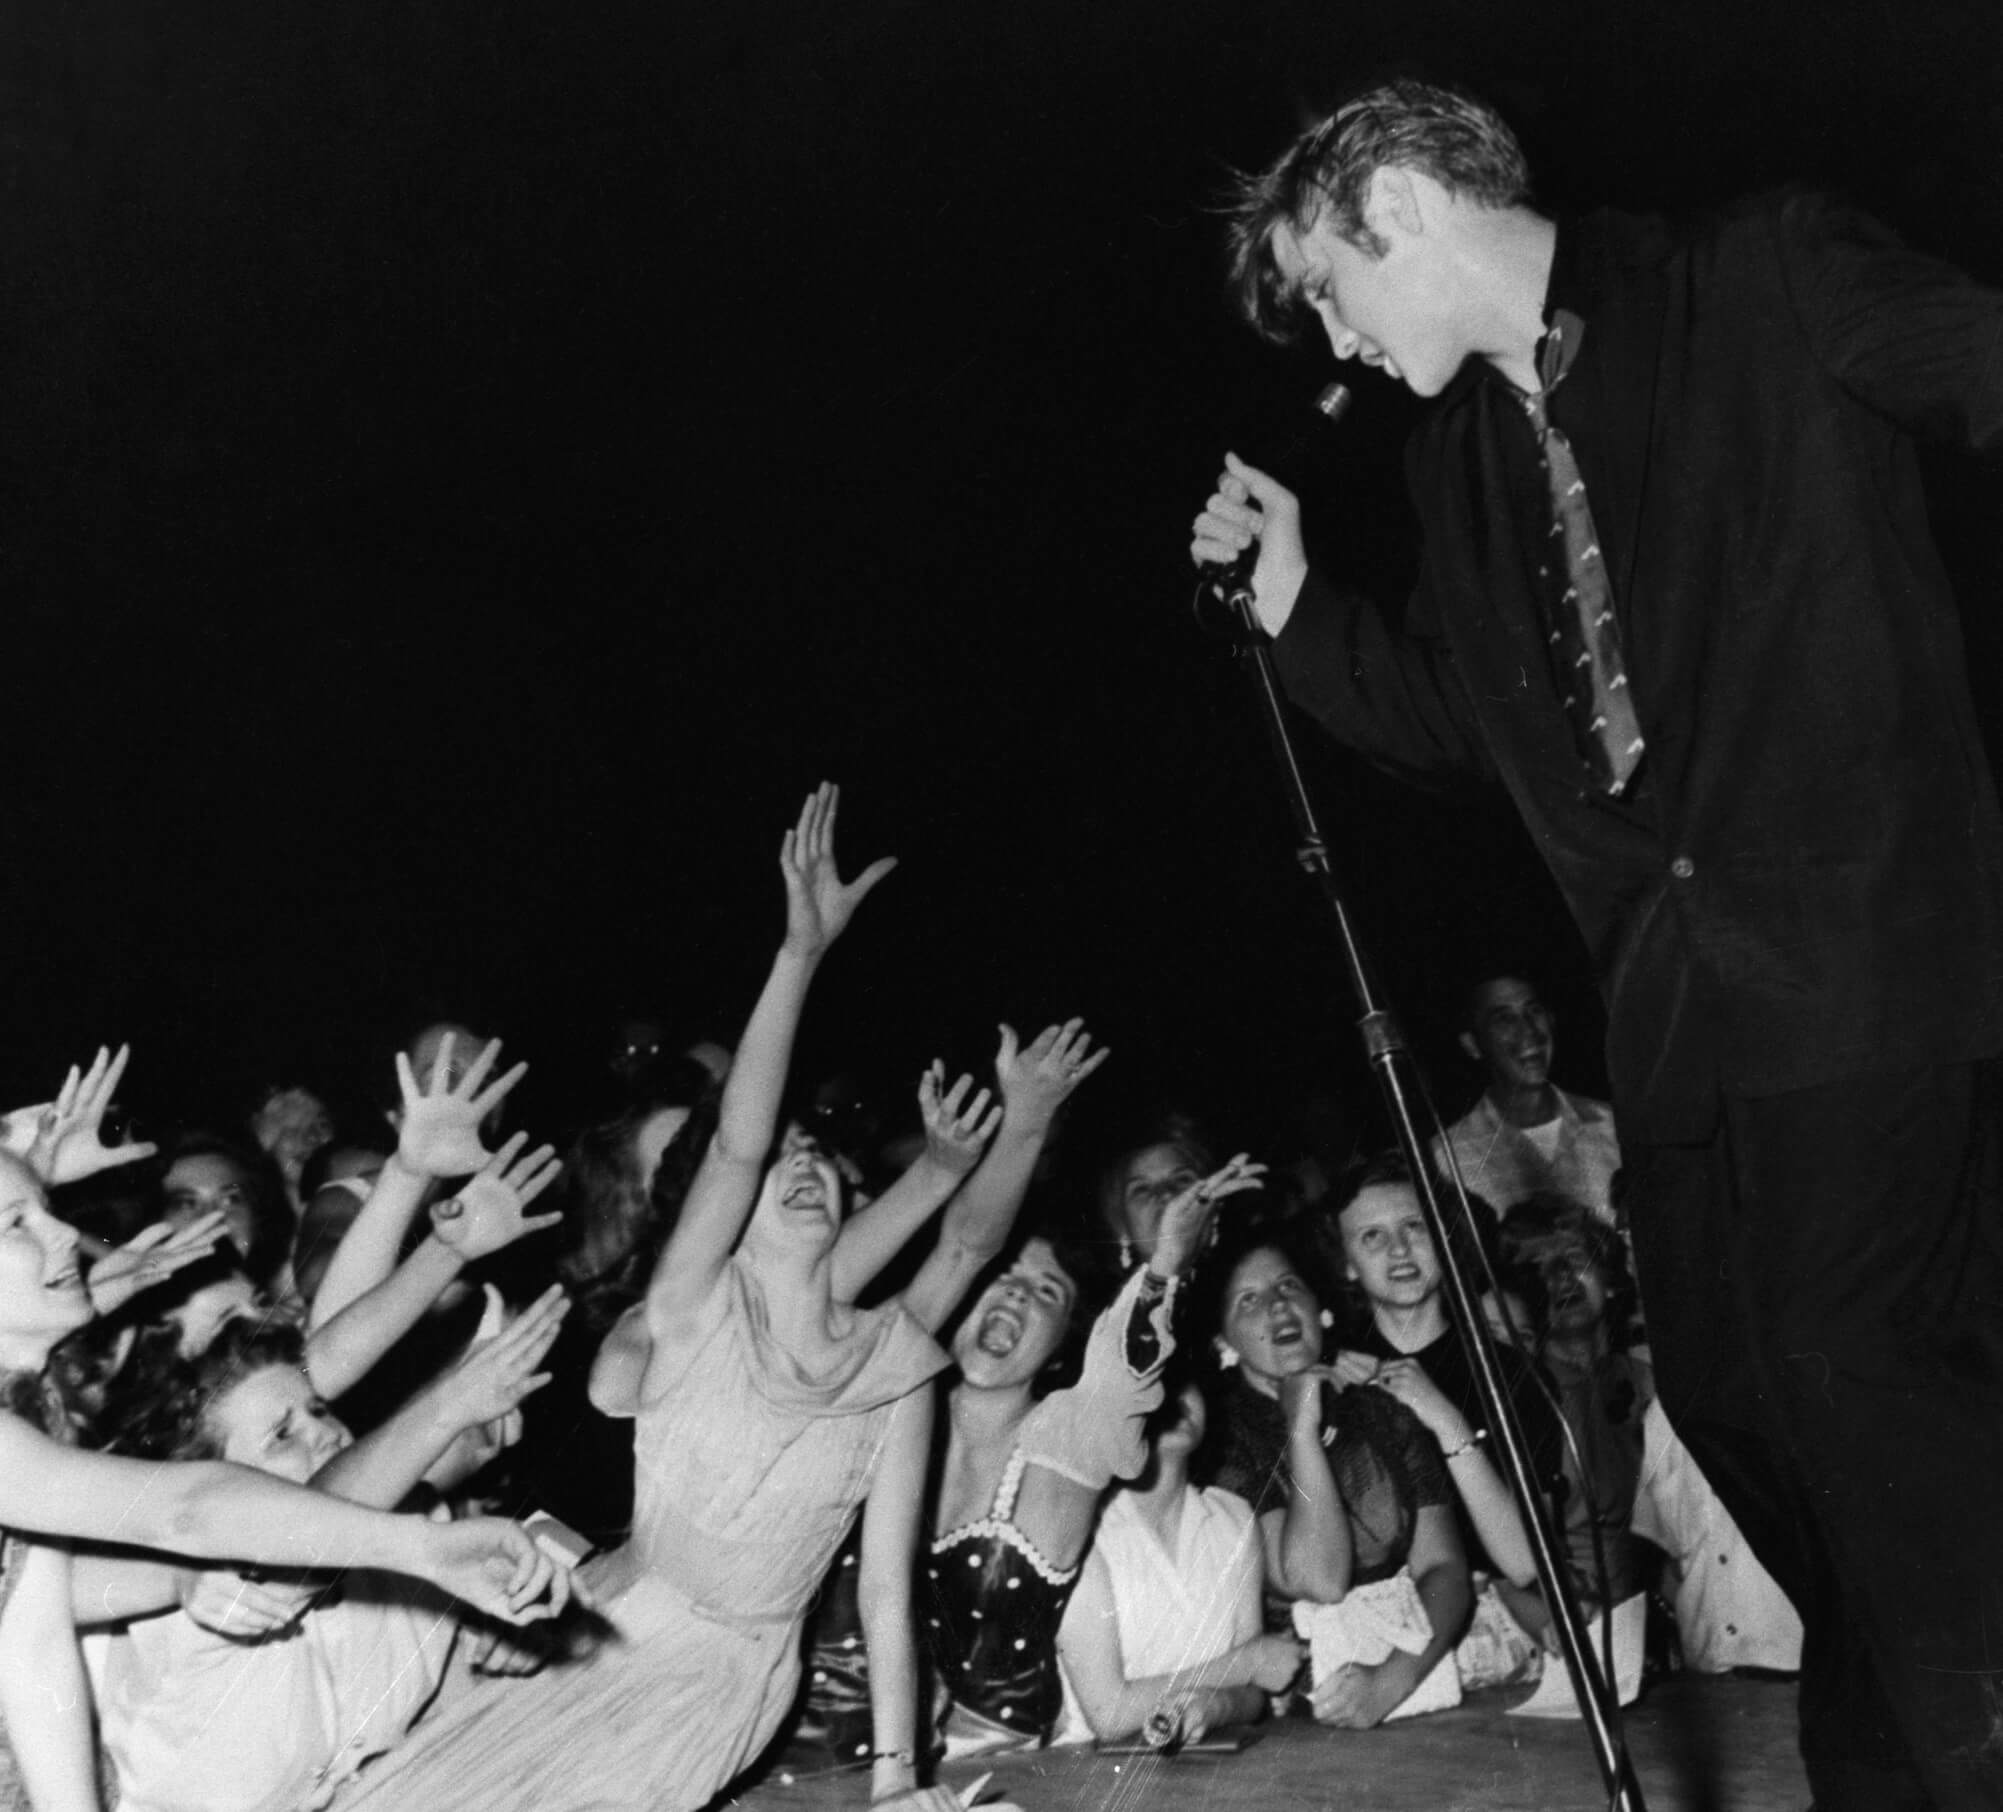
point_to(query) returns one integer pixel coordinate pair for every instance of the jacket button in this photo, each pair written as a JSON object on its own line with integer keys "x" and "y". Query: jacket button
{"x": 1683, "y": 868}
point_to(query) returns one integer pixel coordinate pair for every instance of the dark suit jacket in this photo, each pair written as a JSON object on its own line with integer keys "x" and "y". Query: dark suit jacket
{"x": 1809, "y": 884}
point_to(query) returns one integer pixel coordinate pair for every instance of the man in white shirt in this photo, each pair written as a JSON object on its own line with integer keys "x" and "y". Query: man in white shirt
{"x": 1525, "y": 1136}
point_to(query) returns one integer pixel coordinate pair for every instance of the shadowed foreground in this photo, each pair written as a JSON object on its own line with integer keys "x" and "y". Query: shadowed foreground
{"x": 1700, "y": 1745}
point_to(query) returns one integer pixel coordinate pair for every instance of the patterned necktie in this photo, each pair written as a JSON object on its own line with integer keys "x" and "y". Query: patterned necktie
{"x": 1579, "y": 606}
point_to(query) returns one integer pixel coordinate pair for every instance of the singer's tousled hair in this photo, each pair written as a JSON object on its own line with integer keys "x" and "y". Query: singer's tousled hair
{"x": 1458, "y": 141}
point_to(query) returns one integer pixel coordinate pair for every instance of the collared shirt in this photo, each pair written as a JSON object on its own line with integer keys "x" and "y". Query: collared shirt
{"x": 1574, "y": 1155}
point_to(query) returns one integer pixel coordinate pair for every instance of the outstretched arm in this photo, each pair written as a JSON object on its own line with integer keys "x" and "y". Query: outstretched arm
{"x": 439, "y": 1136}
{"x": 819, "y": 905}
{"x": 1035, "y": 1081}
{"x": 488, "y": 1214}
{"x": 487, "y": 1385}
{"x": 222, "y": 1512}
{"x": 956, "y": 1131}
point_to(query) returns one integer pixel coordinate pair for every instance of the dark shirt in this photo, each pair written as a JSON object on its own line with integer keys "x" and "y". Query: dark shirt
{"x": 1387, "y": 1469}
{"x": 1446, "y": 1362}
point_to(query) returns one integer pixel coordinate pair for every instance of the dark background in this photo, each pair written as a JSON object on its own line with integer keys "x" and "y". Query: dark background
{"x": 469, "y": 467}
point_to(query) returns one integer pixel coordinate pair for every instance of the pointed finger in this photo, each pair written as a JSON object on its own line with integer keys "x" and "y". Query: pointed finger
{"x": 497, "y": 1091}
{"x": 528, "y": 1190}
{"x": 406, "y": 1078}
{"x": 95, "y": 1074}
{"x": 116, "y": 1073}
{"x": 824, "y": 830}
{"x": 1090, "y": 1064}
{"x": 802, "y": 832}
{"x": 127, "y": 1154}
{"x": 480, "y": 1068}
{"x": 441, "y": 1067}
{"x": 66, "y": 1096}
{"x": 203, "y": 1227}
{"x": 497, "y": 1165}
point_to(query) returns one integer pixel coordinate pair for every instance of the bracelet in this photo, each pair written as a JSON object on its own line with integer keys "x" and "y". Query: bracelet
{"x": 1468, "y": 1446}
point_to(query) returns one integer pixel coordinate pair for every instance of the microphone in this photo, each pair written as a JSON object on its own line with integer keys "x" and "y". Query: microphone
{"x": 1231, "y": 585}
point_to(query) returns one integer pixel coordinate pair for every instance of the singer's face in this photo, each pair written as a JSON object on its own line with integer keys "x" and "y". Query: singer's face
{"x": 1383, "y": 311}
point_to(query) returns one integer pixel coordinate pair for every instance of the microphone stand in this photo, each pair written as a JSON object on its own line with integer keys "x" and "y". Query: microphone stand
{"x": 1399, "y": 1080}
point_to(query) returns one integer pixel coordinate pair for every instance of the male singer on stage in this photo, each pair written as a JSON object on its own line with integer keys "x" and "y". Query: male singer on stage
{"x": 1678, "y": 597}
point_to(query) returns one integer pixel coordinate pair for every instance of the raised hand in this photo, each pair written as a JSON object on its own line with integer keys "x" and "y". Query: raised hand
{"x": 1300, "y": 1397}
{"x": 68, "y": 1142}
{"x": 498, "y": 1370}
{"x": 1187, "y": 1222}
{"x": 439, "y": 1134}
{"x": 957, "y": 1130}
{"x": 246, "y": 1610}
{"x": 151, "y": 1257}
{"x": 1036, "y": 1079}
{"x": 819, "y": 903}
{"x": 488, "y": 1213}
{"x": 496, "y": 1567}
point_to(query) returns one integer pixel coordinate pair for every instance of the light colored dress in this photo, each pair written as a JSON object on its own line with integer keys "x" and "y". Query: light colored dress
{"x": 749, "y": 1470}
{"x": 197, "y": 1722}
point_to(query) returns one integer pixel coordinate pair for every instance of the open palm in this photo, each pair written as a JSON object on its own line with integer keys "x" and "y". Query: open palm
{"x": 819, "y": 903}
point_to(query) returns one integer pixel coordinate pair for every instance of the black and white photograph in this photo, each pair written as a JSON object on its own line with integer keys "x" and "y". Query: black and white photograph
{"x": 1049, "y": 908}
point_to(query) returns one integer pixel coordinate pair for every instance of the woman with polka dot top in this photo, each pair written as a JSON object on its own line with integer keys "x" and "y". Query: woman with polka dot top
{"x": 1022, "y": 1475}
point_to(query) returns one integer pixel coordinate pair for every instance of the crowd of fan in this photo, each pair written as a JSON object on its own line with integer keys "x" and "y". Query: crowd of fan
{"x": 1209, "y": 1448}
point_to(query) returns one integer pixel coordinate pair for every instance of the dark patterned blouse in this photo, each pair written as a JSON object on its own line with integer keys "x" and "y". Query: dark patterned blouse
{"x": 1387, "y": 1469}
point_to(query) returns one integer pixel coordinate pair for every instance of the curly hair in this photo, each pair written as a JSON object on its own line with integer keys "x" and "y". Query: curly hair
{"x": 1542, "y": 1222}
{"x": 618, "y": 1222}
{"x": 179, "y": 1426}
{"x": 1458, "y": 141}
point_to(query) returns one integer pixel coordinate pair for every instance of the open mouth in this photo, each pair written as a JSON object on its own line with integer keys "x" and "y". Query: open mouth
{"x": 999, "y": 1332}
{"x": 1287, "y": 1333}
{"x": 1404, "y": 1274}
{"x": 804, "y": 1192}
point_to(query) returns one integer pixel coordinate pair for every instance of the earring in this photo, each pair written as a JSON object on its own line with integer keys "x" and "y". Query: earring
{"x": 1328, "y": 1318}
{"x": 1227, "y": 1354}
{"x": 1126, "y": 1254}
